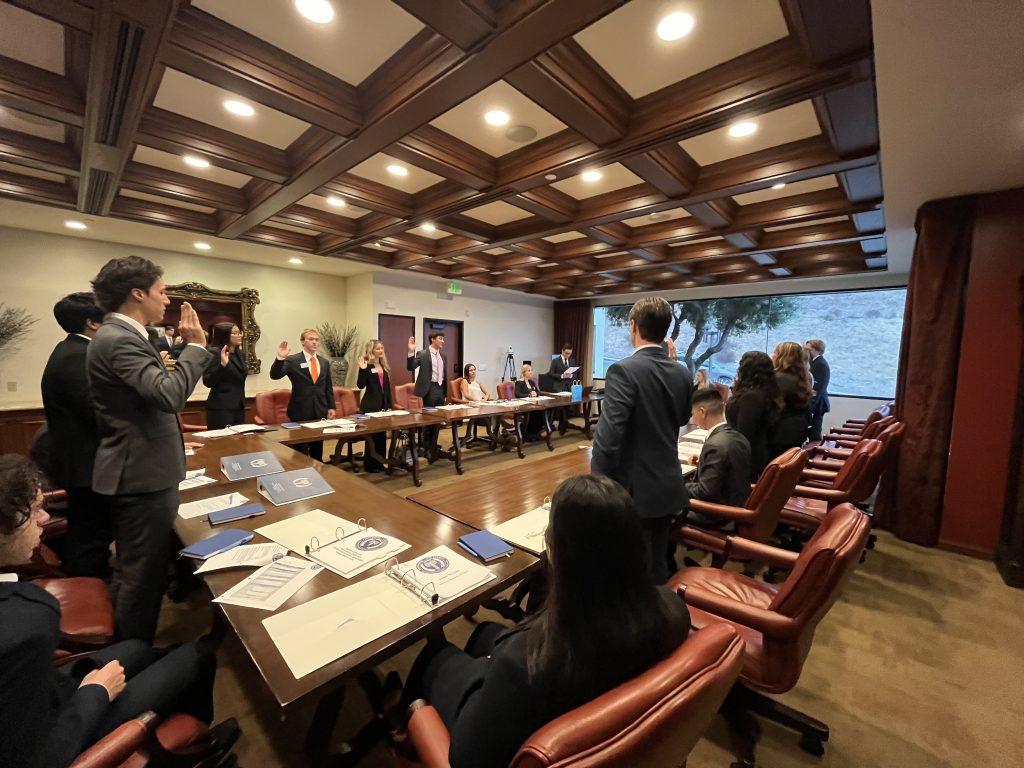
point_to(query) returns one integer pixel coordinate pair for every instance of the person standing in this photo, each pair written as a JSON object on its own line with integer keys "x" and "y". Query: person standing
{"x": 793, "y": 376}
{"x": 375, "y": 381}
{"x": 141, "y": 458}
{"x": 225, "y": 376}
{"x": 820, "y": 372}
{"x": 165, "y": 340}
{"x": 754, "y": 406}
{"x": 646, "y": 401}
{"x": 561, "y": 381}
{"x": 431, "y": 382}
{"x": 71, "y": 422}
{"x": 310, "y": 375}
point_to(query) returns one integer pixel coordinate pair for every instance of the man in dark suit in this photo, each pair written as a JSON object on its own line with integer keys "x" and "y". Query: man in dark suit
{"x": 71, "y": 423}
{"x": 820, "y": 373}
{"x": 723, "y": 469}
{"x": 431, "y": 382}
{"x": 646, "y": 401}
{"x": 165, "y": 341}
{"x": 141, "y": 458}
{"x": 561, "y": 381}
{"x": 310, "y": 375}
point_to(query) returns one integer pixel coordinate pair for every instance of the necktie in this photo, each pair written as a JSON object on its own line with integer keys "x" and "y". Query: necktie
{"x": 314, "y": 369}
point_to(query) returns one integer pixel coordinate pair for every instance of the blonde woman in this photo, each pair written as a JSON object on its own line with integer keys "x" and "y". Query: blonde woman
{"x": 793, "y": 375}
{"x": 701, "y": 382}
{"x": 527, "y": 387}
{"x": 376, "y": 385}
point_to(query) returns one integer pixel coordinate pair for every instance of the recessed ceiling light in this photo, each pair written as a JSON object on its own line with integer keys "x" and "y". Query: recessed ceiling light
{"x": 428, "y": 227}
{"x": 675, "y": 26}
{"x": 239, "y": 108}
{"x": 591, "y": 176}
{"x": 398, "y": 170}
{"x": 336, "y": 201}
{"x": 780, "y": 185}
{"x": 75, "y": 224}
{"x": 741, "y": 129}
{"x": 497, "y": 117}
{"x": 294, "y": 260}
{"x": 196, "y": 162}
{"x": 376, "y": 243}
{"x": 317, "y": 11}
{"x": 199, "y": 245}
{"x": 551, "y": 177}
{"x": 658, "y": 216}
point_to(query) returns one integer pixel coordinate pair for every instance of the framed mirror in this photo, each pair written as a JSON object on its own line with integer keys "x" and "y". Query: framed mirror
{"x": 215, "y": 306}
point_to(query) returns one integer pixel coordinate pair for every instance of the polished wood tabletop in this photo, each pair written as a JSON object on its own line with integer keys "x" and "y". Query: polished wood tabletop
{"x": 368, "y": 426}
{"x": 486, "y": 501}
{"x": 353, "y": 498}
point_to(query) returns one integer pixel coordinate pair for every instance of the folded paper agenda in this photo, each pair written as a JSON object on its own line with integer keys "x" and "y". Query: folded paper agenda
{"x": 375, "y": 414}
{"x": 318, "y": 632}
{"x": 526, "y": 531}
{"x": 245, "y": 556}
{"x": 245, "y": 465}
{"x": 287, "y": 487}
{"x": 322, "y": 423}
{"x": 239, "y": 429}
{"x": 194, "y": 478}
{"x": 270, "y": 586}
{"x": 206, "y": 506}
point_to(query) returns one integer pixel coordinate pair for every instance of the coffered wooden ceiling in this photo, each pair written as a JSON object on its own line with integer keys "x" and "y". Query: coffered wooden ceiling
{"x": 101, "y": 100}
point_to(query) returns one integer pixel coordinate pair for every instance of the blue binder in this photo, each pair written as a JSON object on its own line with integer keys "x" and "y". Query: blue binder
{"x": 287, "y": 487}
{"x": 214, "y": 545}
{"x": 246, "y": 465}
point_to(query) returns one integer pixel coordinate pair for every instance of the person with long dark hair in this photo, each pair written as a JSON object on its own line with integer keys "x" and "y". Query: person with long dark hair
{"x": 754, "y": 406}
{"x": 603, "y": 622}
{"x": 375, "y": 381}
{"x": 225, "y": 376}
{"x": 793, "y": 375}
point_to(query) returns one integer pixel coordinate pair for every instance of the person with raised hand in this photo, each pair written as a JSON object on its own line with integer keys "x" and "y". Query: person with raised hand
{"x": 375, "y": 381}
{"x": 312, "y": 391}
{"x": 225, "y": 376}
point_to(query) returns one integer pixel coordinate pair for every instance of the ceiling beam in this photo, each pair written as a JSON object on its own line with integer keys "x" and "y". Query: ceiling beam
{"x": 444, "y": 155}
{"x": 66, "y": 12}
{"x": 34, "y": 152}
{"x": 164, "y": 215}
{"x": 180, "y": 186}
{"x": 35, "y": 190}
{"x": 39, "y": 92}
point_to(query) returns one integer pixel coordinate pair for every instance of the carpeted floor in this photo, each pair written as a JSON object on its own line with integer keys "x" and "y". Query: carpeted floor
{"x": 919, "y": 665}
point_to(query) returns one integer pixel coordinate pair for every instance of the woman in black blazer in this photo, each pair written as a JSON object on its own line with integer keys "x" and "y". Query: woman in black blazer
{"x": 527, "y": 388}
{"x": 375, "y": 382}
{"x": 225, "y": 376}
{"x": 754, "y": 406}
{"x": 604, "y": 622}
{"x": 793, "y": 375}
{"x": 51, "y": 715}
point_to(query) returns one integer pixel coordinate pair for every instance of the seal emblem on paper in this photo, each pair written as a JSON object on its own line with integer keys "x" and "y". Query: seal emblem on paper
{"x": 370, "y": 543}
{"x": 433, "y": 564}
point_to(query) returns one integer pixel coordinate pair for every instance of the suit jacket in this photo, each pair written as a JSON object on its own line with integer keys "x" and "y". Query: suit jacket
{"x": 558, "y": 367}
{"x": 309, "y": 400}
{"x": 821, "y": 373}
{"x": 524, "y": 387}
{"x": 375, "y": 397}
{"x": 646, "y": 401}
{"x": 137, "y": 400}
{"x": 421, "y": 359}
{"x": 723, "y": 471}
{"x": 47, "y": 719}
{"x": 69, "y": 414}
{"x": 226, "y": 382}
{"x": 790, "y": 429}
{"x": 750, "y": 414}
{"x": 164, "y": 343}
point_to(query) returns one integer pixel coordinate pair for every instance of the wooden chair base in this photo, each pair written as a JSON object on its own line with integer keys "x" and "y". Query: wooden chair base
{"x": 744, "y": 731}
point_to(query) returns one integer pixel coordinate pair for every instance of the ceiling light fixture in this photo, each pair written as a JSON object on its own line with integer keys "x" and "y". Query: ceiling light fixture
{"x": 591, "y": 176}
{"x": 428, "y": 227}
{"x": 780, "y": 185}
{"x": 398, "y": 170}
{"x": 240, "y": 108}
{"x": 675, "y": 26}
{"x": 742, "y": 129}
{"x": 551, "y": 177}
{"x": 317, "y": 11}
{"x": 75, "y": 224}
{"x": 521, "y": 133}
{"x": 196, "y": 162}
{"x": 199, "y": 245}
{"x": 294, "y": 260}
{"x": 336, "y": 201}
{"x": 497, "y": 117}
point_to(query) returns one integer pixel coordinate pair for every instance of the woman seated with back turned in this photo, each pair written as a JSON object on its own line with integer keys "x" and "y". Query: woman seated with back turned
{"x": 472, "y": 389}
{"x": 603, "y": 623}
{"x": 754, "y": 406}
{"x": 526, "y": 388}
{"x": 793, "y": 375}
{"x": 50, "y": 715}
{"x": 374, "y": 379}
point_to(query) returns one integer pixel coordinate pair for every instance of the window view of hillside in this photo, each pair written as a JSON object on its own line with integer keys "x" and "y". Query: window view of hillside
{"x": 861, "y": 331}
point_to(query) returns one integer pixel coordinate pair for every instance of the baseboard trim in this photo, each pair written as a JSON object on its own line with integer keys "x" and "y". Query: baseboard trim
{"x": 979, "y": 553}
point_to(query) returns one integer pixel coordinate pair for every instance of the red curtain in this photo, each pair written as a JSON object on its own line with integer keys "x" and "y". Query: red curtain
{"x": 572, "y": 321}
{"x": 910, "y": 499}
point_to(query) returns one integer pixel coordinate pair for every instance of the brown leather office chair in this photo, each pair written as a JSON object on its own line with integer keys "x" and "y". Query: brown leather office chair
{"x": 404, "y": 399}
{"x": 346, "y": 401}
{"x": 272, "y": 406}
{"x": 871, "y": 429}
{"x": 653, "y": 720}
{"x": 86, "y": 613}
{"x": 455, "y": 391}
{"x": 777, "y": 622}
{"x": 822, "y": 490}
{"x": 506, "y": 390}
{"x": 889, "y": 409}
{"x": 833, "y": 457}
{"x": 757, "y": 518}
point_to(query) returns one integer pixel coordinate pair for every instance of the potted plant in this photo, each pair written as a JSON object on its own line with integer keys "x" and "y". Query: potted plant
{"x": 14, "y": 325}
{"x": 336, "y": 342}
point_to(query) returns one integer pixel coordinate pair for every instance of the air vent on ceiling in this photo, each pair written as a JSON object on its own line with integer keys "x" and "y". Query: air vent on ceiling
{"x": 124, "y": 65}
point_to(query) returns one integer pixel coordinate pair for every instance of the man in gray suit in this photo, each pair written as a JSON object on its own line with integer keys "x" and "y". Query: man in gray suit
{"x": 140, "y": 459}
{"x": 646, "y": 401}
{"x": 431, "y": 382}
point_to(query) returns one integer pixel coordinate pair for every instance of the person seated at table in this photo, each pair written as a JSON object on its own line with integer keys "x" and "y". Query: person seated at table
{"x": 375, "y": 381}
{"x": 526, "y": 388}
{"x": 49, "y": 714}
{"x": 603, "y": 623}
{"x": 470, "y": 388}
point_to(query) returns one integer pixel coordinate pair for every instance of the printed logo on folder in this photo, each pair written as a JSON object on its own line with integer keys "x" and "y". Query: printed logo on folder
{"x": 246, "y": 465}
{"x": 299, "y": 484}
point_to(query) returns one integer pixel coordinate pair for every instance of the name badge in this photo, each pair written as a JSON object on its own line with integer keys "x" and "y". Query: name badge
{"x": 304, "y": 365}
{"x": 372, "y": 369}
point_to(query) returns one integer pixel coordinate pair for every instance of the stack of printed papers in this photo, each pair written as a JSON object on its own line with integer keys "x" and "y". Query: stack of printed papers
{"x": 525, "y": 531}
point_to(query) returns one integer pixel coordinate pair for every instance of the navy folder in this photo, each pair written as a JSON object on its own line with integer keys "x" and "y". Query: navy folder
{"x": 246, "y": 465}
{"x": 214, "y": 545}
{"x": 485, "y": 545}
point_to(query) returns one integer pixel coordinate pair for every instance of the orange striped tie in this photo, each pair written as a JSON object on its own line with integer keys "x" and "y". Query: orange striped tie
{"x": 314, "y": 369}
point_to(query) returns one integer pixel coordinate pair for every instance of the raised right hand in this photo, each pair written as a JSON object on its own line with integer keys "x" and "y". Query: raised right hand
{"x": 111, "y": 677}
{"x": 362, "y": 361}
{"x": 225, "y": 356}
{"x": 412, "y": 344}
{"x": 283, "y": 350}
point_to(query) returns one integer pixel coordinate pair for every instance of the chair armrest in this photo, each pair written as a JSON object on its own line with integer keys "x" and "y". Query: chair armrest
{"x": 55, "y": 496}
{"x": 847, "y": 430}
{"x": 428, "y": 735}
{"x": 739, "y": 514}
{"x": 766, "y": 622}
{"x": 848, "y": 445}
{"x": 832, "y": 465}
{"x": 821, "y": 475}
{"x": 192, "y": 427}
{"x": 737, "y": 546}
{"x": 830, "y": 495}
{"x": 118, "y": 745}
{"x": 854, "y": 422}
{"x": 836, "y": 452}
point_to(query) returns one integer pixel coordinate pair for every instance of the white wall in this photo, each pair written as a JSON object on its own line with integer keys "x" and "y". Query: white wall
{"x": 39, "y": 268}
{"x": 844, "y": 408}
{"x": 493, "y": 319}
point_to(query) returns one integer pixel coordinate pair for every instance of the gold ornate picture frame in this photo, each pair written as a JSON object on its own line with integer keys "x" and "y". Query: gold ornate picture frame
{"x": 246, "y": 298}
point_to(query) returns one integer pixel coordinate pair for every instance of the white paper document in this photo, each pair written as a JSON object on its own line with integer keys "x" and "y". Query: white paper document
{"x": 340, "y": 430}
{"x": 563, "y": 394}
{"x": 571, "y": 371}
{"x": 310, "y": 529}
{"x": 442, "y": 572}
{"x": 325, "y": 423}
{"x": 525, "y": 531}
{"x": 375, "y": 414}
{"x": 688, "y": 469}
{"x": 214, "y": 504}
{"x": 244, "y": 556}
{"x": 456, "y": 406}
{"x": 238, "y": 429}
{"x": 270, "y": 586}
{"x": 211, "y": 433}
{"x": 351, "y": 555}
{"x": 242, "y": 429}
{"x": 195, "y": 478}
{"x": 541, "y": 398}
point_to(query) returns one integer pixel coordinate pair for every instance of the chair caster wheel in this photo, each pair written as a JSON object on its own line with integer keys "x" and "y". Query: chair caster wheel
{"x": 742, "y": 764}
{"x": 812, "y": 745}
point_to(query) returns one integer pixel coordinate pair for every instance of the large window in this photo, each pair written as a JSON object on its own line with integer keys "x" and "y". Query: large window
{"x": 861, "y": 331}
